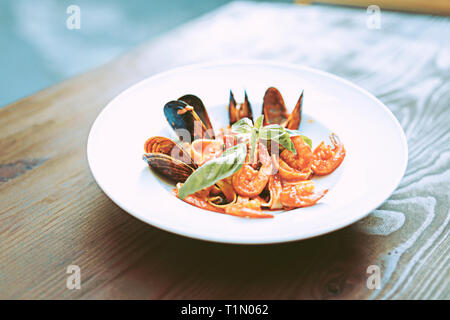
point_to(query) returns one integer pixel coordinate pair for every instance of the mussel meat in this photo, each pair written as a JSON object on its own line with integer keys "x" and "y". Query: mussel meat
{"x": 275, "y": 112}
{"x": 238, "y": 111}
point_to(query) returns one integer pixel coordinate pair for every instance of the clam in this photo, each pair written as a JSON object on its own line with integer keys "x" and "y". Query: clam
{"x": 169, "y": 167}
{"x": 168, "y": 147}
{"x": 238, "y": 111}
{"x": 175, "y": 163}
{"x": 190, "y": 121}
{"x": 168, "y": 158}
{"x": 275, "y": 112}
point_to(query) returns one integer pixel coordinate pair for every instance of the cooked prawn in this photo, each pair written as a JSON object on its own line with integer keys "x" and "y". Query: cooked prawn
{"x": 201, "y": 203}
{"x": 198, "y": 199}
{"x": 290, "y": 174}
{"x": 245, "y": 207}
{"x": 300, "y": 194}
{"x": 275, "y": 187}
{"x": 327, "y": 159}
{"x": 203, "y": 150}
{"x": 304, "y": 157}
{"x": 249, "y": 182}
{"x": 296, "y": 167}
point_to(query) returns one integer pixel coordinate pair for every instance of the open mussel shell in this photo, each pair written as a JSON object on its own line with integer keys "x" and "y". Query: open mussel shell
{"x": 294, "y": 119}
{"x": 274, "y": 109}
{"x": 238, "y": 111}
{"x": 168, "y": 167}
{"x": 199, "y": 109}
{"x": 275, "y": 112}
{"x": 168, "y": 147}
{"x": 186, "y": 123}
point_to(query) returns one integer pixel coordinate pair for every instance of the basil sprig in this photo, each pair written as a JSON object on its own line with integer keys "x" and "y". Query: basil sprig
{"x": 232, "y": 159}
{"x": 277, "y": 133}
{"x": 244, "y": 126}
{"x": 254, "y": 137}
{"x": 230, "y": 162}
{"x": 273, "y": 132}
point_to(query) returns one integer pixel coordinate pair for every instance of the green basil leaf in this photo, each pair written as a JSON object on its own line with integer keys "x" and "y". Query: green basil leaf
{"x": 307, "y": 140}
{"x": 244, "y": 125}
{"x": 297, "y": 133}
{"x": 259, "y": 122}
{"x": 285, "y": 141}
{"x": 228, "y": 163}
{"x": 278, "y": 134}
{"x": 253, "y": 141}
{"x": 274, "y": 126}
{"x": 254, "y": 138}
{"x": 271, "y": 132}
{"x": 233, "y": 151}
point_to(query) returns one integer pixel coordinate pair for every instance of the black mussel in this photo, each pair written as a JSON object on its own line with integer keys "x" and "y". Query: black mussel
{"x": 186, "y": 122}
{"x": 199, "y": 108}
{"x": 238, "y": 111}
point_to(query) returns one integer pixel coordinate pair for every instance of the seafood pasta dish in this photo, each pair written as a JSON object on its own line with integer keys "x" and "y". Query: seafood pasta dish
{"x": 251, "y": 168}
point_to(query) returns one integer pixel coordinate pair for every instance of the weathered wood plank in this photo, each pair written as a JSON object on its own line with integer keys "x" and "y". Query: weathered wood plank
{"x": 441, "y": 7}
{"x": 52, "y": 213}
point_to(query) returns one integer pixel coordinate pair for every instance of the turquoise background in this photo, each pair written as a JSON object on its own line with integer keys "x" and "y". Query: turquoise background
{"x": 38, "y": 50}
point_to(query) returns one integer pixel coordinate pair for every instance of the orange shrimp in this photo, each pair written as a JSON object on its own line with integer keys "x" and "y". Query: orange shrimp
{"x": 295, "y": 167}
{"x": 198, "y": 199}
{"x": 275, "y": 189}
{"x": 300, "y": 194}
{"x": 327, "y": 159}
{"x": 201, "y": 203}
{"x": 244, "y": 207}
{"x": 249, "y": 182}
{"x": 203, "y": 150}
{"x": 229, "y": 141}
{"x": 304, "y": 157}
{"x": 290, "y": 174}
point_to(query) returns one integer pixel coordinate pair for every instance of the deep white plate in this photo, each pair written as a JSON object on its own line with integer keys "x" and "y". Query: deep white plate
{"x": 373, "y": 167}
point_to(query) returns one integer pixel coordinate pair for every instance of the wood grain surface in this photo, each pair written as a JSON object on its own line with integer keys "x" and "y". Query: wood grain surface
{"x": 440, "y": 7}
{"x": 52, "y": 213}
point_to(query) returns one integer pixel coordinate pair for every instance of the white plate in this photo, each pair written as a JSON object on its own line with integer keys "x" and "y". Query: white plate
{"x": 374, "y": 165}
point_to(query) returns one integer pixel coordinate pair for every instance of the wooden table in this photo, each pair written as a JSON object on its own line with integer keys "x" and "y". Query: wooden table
{"x": 53, "y": 214}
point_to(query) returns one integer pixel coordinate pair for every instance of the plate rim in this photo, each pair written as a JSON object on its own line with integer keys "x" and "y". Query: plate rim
{"x": 272, "y": 63}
